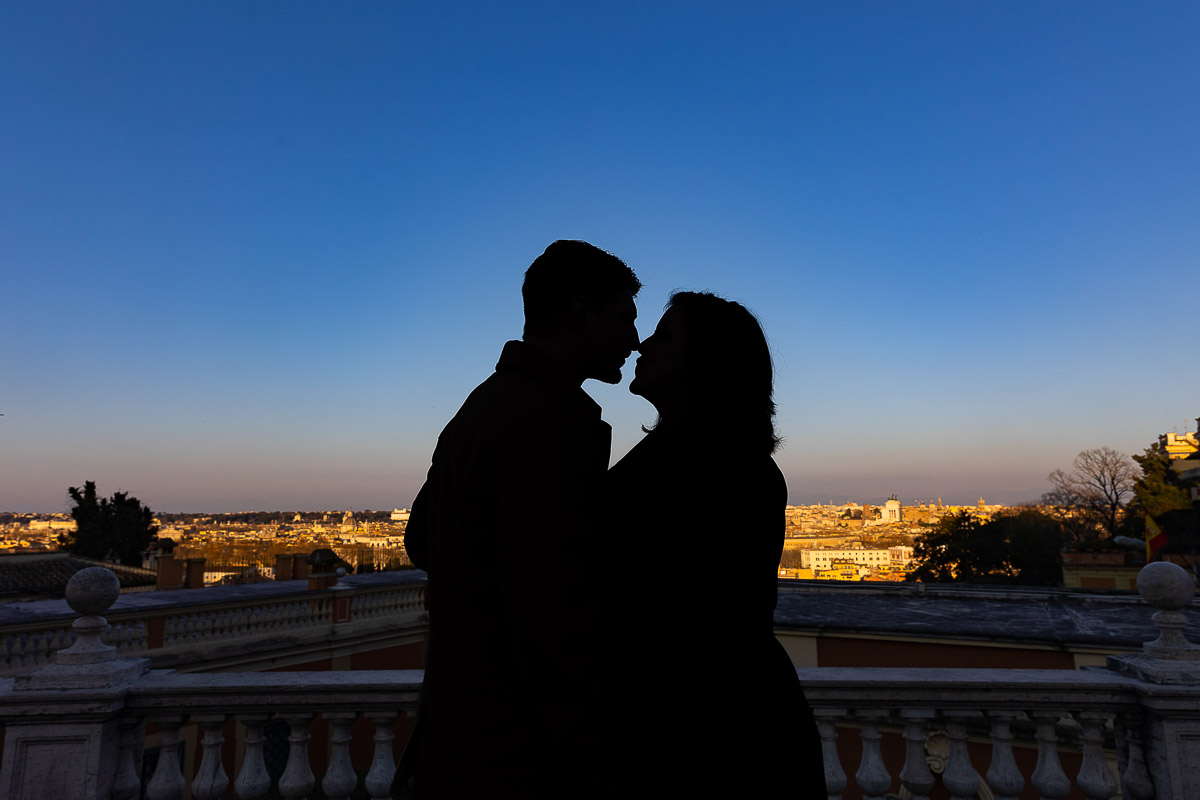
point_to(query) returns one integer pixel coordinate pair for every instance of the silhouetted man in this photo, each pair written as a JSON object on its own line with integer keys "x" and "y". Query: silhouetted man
{"x": 500, "y": 526}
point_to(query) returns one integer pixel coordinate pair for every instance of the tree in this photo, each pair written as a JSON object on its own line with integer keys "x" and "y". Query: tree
{"x": 1160, "y": 494}
{"x": 120, "y": 525}
{"x": 1092, "y": 496}
{"x": 1159, "y": 490}
{"x": 1016, "y": 548}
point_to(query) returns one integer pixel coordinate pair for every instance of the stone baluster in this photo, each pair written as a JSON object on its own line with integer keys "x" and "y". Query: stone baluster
{"x": 872, "y": 775}
{"x": 383, "y": 765}
{"x": 916, "y": 776}
{"x": 58, "y": 639}
{"x": 17, "y": 652}
{"x": 1048, "y": 777}
{"x": 205, "y": 628}
{"x": 297, "y": 779}
{"x": 1135, "y": 777}
{"x": 1003, "y": 776}
{"x": 253, "y": 781}
{"x": 339, "y": 780}
{"x": 41, "y": 648}
{"x": 835, "y": 776}
{"x": 127, "y": 784}
{"x": 1095, "y": 778}
{"x": 960, "y": 778}
{"x": 210, "y": 781}
{"x": 168, "y": 782}
{"x": 28, "y": 649}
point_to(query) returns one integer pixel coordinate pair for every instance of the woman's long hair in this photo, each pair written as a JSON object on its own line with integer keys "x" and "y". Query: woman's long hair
{"x": 730, "y": 378}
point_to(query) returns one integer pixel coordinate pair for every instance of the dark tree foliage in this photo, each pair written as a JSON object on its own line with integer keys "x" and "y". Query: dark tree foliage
{"x": 1022, "y": 548}
{"x": 1159, "y": 490}
{"x": 120, "y": 525}
{"x": 1160, "y": 494}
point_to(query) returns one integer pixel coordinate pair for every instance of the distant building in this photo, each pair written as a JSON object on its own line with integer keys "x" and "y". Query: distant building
{"x": 891, "y": 511}
{"x": 1180, "y": 445}
{"x": 841, "y": 569}
{"x": 819, "y": 560}
{"x": 51, "y": 525}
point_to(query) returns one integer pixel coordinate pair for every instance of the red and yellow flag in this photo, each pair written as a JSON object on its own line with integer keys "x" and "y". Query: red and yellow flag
{"x": 1155, "y": 538}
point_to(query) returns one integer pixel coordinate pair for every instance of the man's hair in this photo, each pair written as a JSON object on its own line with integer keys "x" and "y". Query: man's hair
{"x": 569, "y": 269}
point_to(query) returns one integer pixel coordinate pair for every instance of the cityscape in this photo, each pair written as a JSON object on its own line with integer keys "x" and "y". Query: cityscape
{"x": 1102, "y": 516}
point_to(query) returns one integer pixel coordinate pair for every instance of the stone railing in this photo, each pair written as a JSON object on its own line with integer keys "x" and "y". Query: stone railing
{"x": 1088, "y": 716}
{"x": 167, "y": 626}
{"x": 77, "y": 728}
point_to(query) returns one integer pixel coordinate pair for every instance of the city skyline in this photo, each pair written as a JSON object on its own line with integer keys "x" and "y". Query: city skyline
{"x": 256, "y": 257}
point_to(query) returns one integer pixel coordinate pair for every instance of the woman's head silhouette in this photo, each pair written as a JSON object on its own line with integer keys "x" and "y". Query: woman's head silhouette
{"x": 708, "y": 364}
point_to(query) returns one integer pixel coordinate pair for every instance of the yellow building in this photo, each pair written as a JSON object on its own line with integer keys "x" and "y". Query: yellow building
{"x": 1180, "y": 445}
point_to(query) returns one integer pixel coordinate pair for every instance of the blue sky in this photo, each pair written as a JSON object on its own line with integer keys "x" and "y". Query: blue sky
{"x": 256, "y": 254}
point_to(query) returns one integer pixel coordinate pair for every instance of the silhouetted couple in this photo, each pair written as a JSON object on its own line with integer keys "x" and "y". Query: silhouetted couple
{"x": 609, "y": 633}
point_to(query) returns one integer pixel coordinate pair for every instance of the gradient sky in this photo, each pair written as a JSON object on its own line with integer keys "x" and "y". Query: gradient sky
{"x": 254, "y": 255}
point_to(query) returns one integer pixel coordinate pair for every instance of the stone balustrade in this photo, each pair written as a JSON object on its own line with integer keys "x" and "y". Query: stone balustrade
{"x": 76, "y": 728}
{"x": 169, "y": 626}
{"x": 1094, "y": 714}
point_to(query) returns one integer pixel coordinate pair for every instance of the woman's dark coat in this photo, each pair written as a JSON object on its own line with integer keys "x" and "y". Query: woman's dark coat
{"x": 714, "y": 705}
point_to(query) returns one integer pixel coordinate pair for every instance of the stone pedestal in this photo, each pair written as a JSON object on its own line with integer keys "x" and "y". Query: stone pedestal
{"x": 1168, "y": 675}
{"x": 69, "y": 746}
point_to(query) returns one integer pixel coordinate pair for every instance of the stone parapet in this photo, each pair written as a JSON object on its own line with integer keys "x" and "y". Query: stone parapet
{"x": 224, "y": 627}
{"x": 975, "y": 732}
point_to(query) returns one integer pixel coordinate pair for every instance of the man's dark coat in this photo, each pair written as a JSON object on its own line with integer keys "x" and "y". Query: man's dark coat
{"x": 500, "y": 527}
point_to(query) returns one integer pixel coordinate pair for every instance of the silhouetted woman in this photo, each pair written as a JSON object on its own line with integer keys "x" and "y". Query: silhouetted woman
{"x": 712, "y": 705}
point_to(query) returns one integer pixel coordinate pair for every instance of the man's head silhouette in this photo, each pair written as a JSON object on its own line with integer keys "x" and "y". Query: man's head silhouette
{"x": 579, "y": 308}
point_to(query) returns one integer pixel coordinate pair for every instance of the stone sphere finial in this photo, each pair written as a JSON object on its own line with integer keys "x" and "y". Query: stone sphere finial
{"x": 92, "y": 591}
{"x": 1168, "y": 587}
{"x": 1165, "y": 585}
